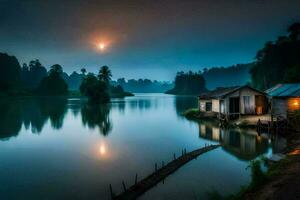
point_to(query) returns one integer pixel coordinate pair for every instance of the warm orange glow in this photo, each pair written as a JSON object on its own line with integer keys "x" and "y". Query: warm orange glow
{"x": 294, "y": 104}
{"x": 101, "y": 46}
{"x": 295, "y": 152}
{"x": 258, "y": 137}
{"x": 102, "y": 149}
{"x": 259, "y": 110}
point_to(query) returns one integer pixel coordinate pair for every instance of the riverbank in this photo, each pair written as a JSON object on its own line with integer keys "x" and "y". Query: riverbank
{"x": 246, "y": 121}
{"x": 281, "y": 181}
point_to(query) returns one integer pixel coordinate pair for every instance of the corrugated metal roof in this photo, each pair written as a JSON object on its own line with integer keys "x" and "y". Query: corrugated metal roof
{"x": 284, "y": 90}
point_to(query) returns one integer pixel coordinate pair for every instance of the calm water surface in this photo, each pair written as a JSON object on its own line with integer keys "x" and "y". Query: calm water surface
{"x": 66, "y": 149}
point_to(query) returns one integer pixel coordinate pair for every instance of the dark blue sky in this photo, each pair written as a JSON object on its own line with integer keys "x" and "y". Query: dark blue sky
{"x": 152, "y": 39}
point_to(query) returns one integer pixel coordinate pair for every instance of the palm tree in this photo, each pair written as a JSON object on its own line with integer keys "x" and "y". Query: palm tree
{"x": 83, "y": 71}
{"x": 104, "y": 74}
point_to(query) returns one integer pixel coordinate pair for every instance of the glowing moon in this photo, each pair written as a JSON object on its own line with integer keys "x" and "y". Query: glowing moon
{"x": 102, "y": 149}
{"x": 101, "y": 46}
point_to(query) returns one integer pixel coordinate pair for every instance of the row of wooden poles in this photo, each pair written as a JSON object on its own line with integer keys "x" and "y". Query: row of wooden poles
{"x": 183, "y": 152}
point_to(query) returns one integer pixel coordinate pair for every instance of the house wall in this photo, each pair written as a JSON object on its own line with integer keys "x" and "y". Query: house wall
{"x": 216, "y": 105}
{"x": 293, "y": 104}
{"x": 241, "y": 93}
{"x": 202, "y": 104}
{"x": 282, "y": 106}
{"x": 279, "y": 107}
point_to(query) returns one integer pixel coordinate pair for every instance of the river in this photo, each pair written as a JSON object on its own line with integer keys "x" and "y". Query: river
{"x": 56, "y": 148}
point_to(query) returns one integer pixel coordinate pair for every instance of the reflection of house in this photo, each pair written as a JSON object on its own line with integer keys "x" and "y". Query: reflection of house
{"x": 234, "y": 100}
{"x": 210, "y": 132}
{"x": 245, "y": 145}
{"x": 285, "y": 98}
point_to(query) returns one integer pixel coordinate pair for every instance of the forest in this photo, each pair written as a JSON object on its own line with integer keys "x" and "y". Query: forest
{"x": 189, "y": 83}
{"x": 33, "y": 79}
{"x": 278, "y": 61}
{"x": 227, "y": 76}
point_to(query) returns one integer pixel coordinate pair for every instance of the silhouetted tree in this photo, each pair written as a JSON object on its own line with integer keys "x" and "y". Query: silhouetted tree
{"x": 9, "y": 73}
{"x": 83, "y": 71}
{"x": 96, "y": 90}
{"x": 104, "y": 74}
{"x": 32, "y": 74}
{"x": 278, "y": 61}
{"x": 53, "y": 84}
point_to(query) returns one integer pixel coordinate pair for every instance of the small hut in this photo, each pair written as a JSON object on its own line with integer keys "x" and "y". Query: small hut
{"x": 285, "y": 99}
{"x": 234, "y": 101}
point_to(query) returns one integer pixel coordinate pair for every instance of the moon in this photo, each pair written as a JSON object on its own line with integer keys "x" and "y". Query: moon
{"x": 101, "y": 46}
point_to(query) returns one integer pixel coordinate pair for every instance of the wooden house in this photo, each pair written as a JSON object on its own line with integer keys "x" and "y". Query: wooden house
{"x": 234, "y": 101}
{"x": 285, "y": 99}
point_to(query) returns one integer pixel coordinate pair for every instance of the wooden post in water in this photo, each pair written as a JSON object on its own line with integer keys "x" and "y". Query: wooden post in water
{"x": 174, "y": 156}
{"x": 136, "y": 177}
{"x": 111, "y": 192}
{"x": 124, "y": 186}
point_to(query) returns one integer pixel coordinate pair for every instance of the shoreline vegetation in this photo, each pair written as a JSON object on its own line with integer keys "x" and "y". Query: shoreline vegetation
{"x": 196, "y": 115}
{"x": 33, "y": 80}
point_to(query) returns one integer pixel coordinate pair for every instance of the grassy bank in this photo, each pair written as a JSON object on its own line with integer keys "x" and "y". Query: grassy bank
{"x": 196, "y": 114}
{"x": 242, "y": 122}
{"x": 275, "y": 183}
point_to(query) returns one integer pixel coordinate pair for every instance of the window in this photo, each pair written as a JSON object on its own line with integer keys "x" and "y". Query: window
{"x": 247, "y": 106}
{"x": 208, "y": 106}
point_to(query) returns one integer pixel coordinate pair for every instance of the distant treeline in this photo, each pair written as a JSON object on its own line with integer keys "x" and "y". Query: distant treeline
{"x": 33, "y": 72}
{"x": 143, "y": 85}
{"x": 188, "y": 83}
{"x": 34, "y": 79}
{"x": 227, "y": 76}
{"x": 198, "y": 82}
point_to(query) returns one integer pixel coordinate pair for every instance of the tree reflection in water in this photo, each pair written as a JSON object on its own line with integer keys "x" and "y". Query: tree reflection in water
{"x": 10, "y": 119}
{"x": 97, "y": 116}
{"x": 32, "y": 112}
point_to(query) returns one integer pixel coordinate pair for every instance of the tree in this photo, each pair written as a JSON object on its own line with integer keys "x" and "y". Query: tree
{"x": 293, "y": 75}
{"x": 278, "y": 61}
{"x": 104, "y": 74}
{"x": 56, "y": 69}
{"x": 10, "y": 71}
{"x": 32, "y": 74}
{"x": 83, "y": 71}
{"x": 95, "y": 89}
{"x": 188, "y": 83}
{"x": 53, "y": 84}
